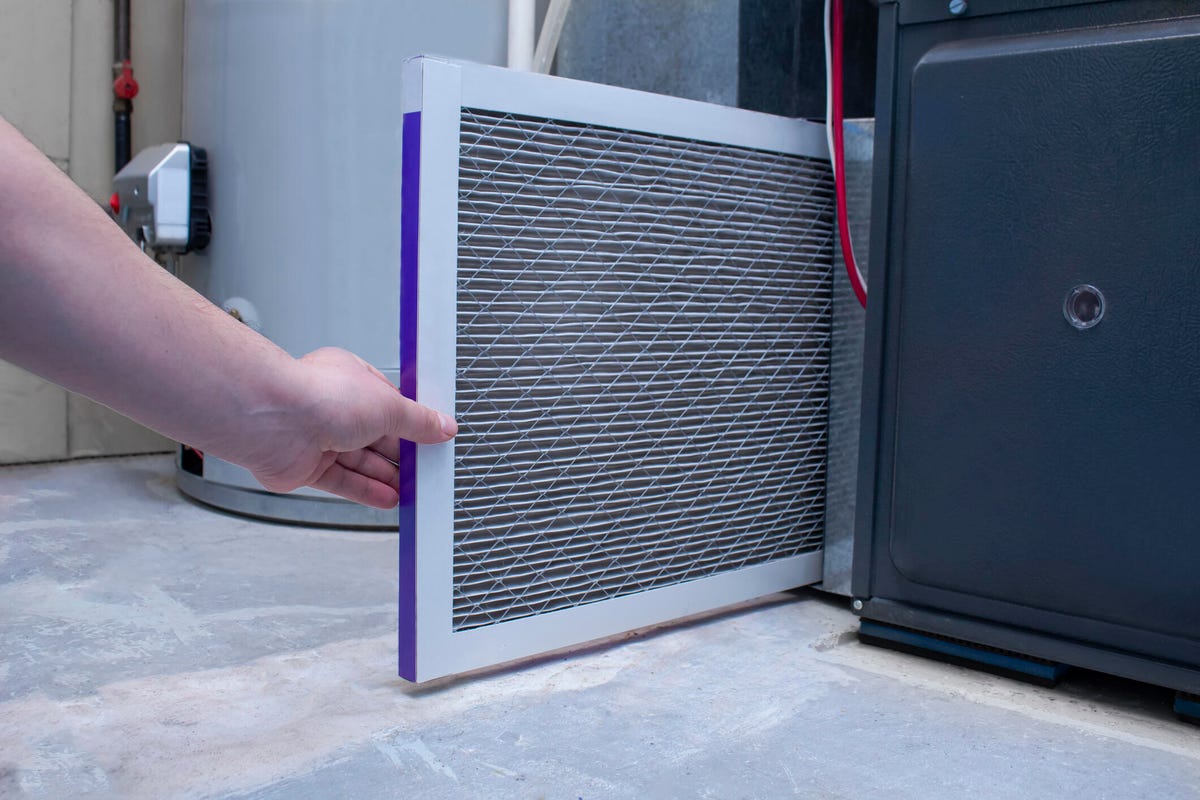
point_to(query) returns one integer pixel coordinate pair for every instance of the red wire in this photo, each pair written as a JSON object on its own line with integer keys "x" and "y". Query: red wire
{"x": 839, "y": 152}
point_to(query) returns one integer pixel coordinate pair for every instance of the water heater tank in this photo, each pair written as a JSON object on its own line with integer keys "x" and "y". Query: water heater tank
{"x": 299, "y": 108}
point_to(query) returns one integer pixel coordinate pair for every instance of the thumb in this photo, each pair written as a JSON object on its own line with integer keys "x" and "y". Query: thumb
{"x": 418, "y": 423}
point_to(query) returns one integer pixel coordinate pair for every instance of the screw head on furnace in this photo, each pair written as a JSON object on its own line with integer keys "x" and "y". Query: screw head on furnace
{"x": 1084, "y": 306}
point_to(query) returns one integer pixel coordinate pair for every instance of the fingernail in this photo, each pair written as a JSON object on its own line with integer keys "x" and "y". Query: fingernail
{"x": 449, "y": 426}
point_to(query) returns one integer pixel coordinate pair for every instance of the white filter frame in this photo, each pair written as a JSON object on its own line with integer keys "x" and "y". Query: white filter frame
{"x": 439, "y": 89}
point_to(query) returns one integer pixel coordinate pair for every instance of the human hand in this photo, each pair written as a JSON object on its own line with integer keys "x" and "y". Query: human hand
{"x": 328, "y": 420}
{"x": 342, "y": 433}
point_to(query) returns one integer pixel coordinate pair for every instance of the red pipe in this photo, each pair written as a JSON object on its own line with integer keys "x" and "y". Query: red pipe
{"x": 839, "y": 153}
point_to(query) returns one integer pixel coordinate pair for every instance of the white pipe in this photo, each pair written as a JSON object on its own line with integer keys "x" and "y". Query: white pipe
{"x": 829, "y": 89}
{"x": 547, "y": 42}
{"x": 521, "y": 24}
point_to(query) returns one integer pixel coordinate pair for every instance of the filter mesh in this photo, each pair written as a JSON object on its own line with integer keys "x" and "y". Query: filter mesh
{"x": 643, "y": 355}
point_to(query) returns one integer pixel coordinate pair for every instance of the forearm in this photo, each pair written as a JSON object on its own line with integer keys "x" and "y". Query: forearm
{"x": 81, "y": 305}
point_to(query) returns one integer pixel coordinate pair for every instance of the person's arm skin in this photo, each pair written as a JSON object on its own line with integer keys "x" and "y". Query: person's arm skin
{"x": 83, "y": 307}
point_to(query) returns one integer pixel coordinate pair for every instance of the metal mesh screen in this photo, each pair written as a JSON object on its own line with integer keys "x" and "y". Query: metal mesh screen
{"x": 643, "y": 356}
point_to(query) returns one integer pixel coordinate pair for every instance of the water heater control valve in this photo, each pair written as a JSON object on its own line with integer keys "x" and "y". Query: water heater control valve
{"x": 162, "y": 198}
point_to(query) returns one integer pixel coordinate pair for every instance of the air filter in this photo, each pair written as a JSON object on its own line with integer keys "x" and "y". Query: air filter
{"x": 625, "y": 301}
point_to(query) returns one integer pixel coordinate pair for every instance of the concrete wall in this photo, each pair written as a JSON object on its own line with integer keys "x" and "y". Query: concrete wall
{"x": 56, "y": 87}
{"x": 686, "y": 48}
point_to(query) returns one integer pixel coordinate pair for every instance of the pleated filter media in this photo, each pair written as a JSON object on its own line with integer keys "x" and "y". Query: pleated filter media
{"x": 625, "y": 300}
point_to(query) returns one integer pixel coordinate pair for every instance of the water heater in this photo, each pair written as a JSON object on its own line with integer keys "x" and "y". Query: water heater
{"x": 298, "y": 106}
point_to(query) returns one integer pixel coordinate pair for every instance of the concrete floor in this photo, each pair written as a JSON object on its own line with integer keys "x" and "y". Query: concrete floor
{"x": 151, "y": 648}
